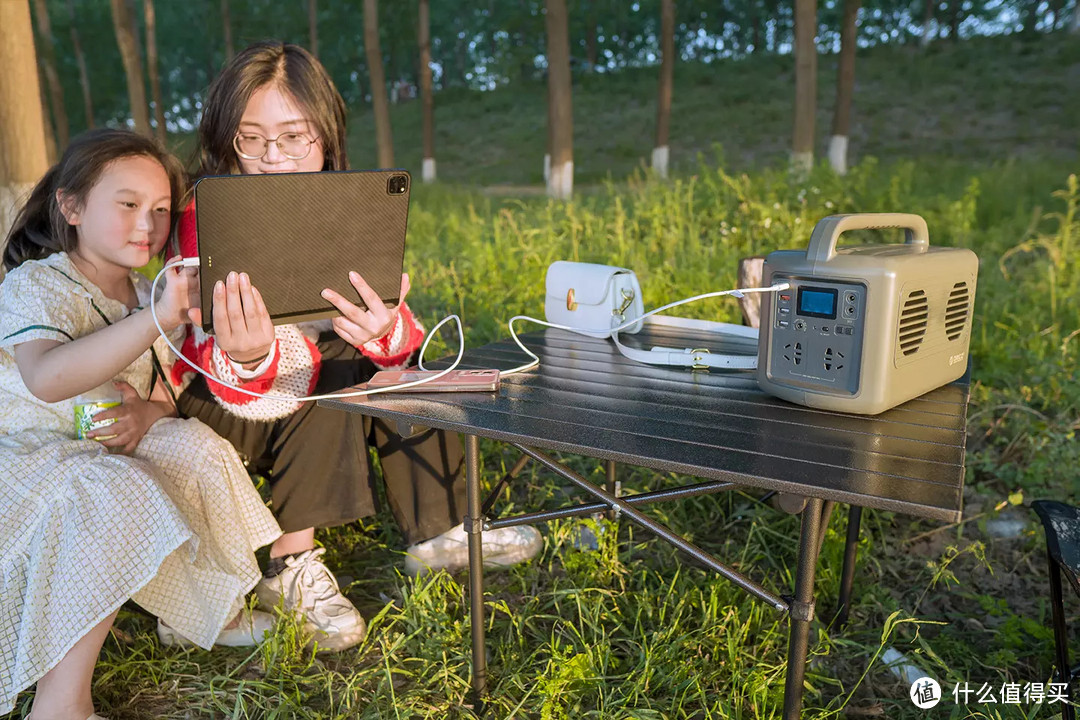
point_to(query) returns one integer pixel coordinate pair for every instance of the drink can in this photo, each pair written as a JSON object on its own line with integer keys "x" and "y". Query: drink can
{"x": 84, "y": 417}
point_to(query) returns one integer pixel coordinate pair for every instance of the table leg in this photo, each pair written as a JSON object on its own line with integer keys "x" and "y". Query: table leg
{"x": 612, "y": 487}
{"x": 474, "y": 529}
{"x": 801, "y": 610}
{"x": 1061, "y": 635}
{"x": 847, "y": 577}
{"x": 826, "y": 516}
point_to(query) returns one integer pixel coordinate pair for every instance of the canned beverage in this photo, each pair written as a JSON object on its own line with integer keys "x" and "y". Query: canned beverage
{"x": 89, "y": 404}
{"x": 84, "y": 418}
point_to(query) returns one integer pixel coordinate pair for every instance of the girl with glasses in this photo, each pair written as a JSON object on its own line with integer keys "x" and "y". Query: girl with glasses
{"x": 274, "y": 109}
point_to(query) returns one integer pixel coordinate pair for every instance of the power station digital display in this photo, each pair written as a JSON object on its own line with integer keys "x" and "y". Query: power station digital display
{"x": 817, "y": 302}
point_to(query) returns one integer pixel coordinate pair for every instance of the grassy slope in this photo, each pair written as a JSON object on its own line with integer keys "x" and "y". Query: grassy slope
{"x": 992, "y": 98}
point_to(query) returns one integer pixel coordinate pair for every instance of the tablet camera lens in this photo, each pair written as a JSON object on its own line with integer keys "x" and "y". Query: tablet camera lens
{"x": 397, "y": 184}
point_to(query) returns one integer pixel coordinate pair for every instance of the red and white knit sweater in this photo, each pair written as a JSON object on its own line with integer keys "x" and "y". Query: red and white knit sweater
{"x": 292, "y": 368}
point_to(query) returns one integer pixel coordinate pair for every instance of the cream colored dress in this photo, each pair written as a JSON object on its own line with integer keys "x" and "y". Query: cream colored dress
{"x": 82, "y": 530}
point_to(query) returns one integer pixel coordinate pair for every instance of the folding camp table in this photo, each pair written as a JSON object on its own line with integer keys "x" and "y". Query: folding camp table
{"x": 587, "y": 399}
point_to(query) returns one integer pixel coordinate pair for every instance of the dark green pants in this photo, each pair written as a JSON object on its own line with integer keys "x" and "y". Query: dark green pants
{"x": 316, "y": 459}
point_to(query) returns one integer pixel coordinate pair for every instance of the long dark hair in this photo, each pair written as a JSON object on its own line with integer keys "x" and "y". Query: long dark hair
{"x": 297, "y": 72}
{"x": 40, "y": 229}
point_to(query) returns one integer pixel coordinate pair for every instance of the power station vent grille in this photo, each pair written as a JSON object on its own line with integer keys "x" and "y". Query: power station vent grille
{"x": 956, "y": 310}
{"x": 913, "y": 317}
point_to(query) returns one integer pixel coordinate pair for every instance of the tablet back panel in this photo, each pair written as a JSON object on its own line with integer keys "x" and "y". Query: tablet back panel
{"x": 295, "y": 234}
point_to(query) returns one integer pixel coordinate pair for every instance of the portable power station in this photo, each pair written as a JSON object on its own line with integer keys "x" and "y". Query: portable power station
{"x": 865, "y": 328}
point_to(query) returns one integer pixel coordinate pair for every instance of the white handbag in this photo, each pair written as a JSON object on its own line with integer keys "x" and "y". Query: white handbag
{"x": 590, "y": 297}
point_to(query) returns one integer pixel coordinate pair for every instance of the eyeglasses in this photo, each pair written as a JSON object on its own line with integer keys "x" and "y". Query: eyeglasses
{"x": 252, "y": 146}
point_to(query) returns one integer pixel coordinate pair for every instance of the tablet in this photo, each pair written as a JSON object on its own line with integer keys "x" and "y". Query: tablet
{"x": 295, "y": 234}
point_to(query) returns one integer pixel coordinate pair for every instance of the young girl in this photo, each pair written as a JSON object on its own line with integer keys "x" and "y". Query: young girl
{"x": 275, "y": 109}
{"x": 152, "y": 508}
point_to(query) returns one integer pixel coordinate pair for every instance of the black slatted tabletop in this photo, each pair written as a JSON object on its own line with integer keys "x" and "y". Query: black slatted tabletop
{"x": 586, "y": 398}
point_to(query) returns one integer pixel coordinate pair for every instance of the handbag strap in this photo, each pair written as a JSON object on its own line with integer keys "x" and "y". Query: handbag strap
{"x": 694, "y": 357}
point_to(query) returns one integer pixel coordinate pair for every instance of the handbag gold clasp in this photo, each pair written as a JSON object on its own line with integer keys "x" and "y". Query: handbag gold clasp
{"x": 628, "y": 298}
{"x": 571, "y": 304}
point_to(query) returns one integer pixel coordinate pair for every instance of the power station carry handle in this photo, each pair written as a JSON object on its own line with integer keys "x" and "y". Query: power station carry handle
{"x": 822, "y": 246}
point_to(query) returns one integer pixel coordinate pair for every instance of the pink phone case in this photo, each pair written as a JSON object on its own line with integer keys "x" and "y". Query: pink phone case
{"x": 453, "y": 381}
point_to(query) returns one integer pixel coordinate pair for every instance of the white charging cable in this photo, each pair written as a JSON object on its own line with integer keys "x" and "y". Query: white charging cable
{"x": 194, "y": 262}
{"x": 536, "y": 360}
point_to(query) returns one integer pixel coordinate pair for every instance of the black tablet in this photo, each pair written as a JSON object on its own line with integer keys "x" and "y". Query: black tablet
{"x": 295, "y": 234}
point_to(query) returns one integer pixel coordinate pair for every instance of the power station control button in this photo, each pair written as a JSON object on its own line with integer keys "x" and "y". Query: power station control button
{"x": 784, "y": 311}
{"x": 782, "y": 323}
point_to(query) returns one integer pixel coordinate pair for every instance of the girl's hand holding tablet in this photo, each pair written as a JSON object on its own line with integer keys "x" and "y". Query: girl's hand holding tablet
{"x": 242, "y": 325}
{"x": 357, "y": 325}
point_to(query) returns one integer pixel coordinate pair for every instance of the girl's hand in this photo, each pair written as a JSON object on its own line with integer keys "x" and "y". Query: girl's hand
{"x": 181, "y": 294}
{"x": 356, "y": 326}
{"x": 242, "y": 325}
{"x": 134, "y": 416}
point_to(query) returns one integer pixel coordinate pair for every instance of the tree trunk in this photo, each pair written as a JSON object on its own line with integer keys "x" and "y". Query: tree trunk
{"x": 561, "y": 178}
{"x": 590, "y": 37}
{"x": 226, "y": 25}
{"x": 80, "y": 60}
{"x": 46, "y": 122}
{"x": 802, "y": 156}
{"x": 52, "y": 79}
{"x": 129, "y": 53}
{"x": 667, "y": 76}
{"x": 955, "y": 9}
{"x": 22, "y": 137}
{"x": 493, "y": 43}
{"x": 845, "y": 88}
{"x": 152, "y": 69}
{"x": 1031, "y": 17}
{"x": 427, "y": 98}
{"x": 313, "y": 28}
{"x": 927, "y": 23}
{"x": 380, "y": 106}
{"x": 755, "y": 27}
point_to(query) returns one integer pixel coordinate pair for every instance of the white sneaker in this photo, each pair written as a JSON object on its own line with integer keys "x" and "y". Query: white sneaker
{"x": 502, "y": 548}
{"x": 250, "y": 631}
{"x": 306, "y": 587}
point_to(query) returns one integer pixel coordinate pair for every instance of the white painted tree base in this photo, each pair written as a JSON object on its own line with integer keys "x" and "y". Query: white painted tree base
{"x": 428, "y": 171}
{"x": 801, "y": 164}
{"x": 660, "y": 160}
{"x": 561, "y": 183}
{"x": 838, "y": 154}
{"x": 547, "y": 168}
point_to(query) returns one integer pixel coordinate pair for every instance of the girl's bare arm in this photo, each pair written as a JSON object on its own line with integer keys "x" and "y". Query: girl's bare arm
{"x": 55, "y": 371}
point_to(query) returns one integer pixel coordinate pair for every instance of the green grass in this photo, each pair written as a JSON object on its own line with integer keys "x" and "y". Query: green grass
{"x": 631, "y": 630}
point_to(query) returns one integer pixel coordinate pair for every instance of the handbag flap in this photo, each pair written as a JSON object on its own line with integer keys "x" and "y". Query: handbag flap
{"x": 589, "y": 281}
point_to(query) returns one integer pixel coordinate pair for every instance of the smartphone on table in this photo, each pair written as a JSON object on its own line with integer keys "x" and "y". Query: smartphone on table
{"x": 453, "y": 381}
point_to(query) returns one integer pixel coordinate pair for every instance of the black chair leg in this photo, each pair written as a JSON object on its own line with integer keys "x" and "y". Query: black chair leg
{"x": 1061, "y": 638}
